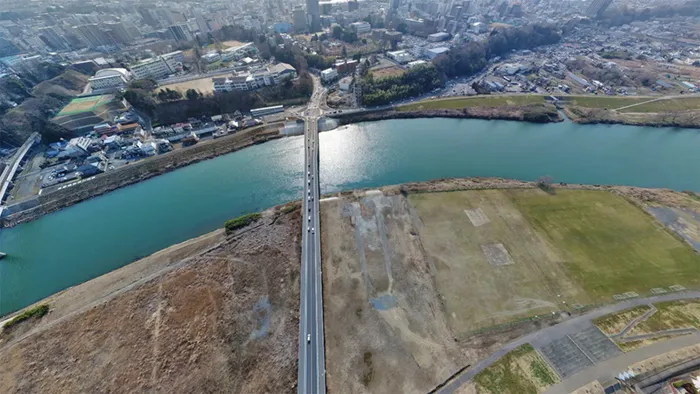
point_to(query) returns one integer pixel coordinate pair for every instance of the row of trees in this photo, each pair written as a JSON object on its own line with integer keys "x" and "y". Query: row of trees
{"x": 416, "y": 81}
{"x": 473, "y": 56}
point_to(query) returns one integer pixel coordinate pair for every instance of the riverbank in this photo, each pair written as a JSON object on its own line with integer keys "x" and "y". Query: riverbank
{"x": 217, "y": 313}
{"x": 140, "y": 171}
{"x": 679, "y": 119}
{"x": 533, "y": 113}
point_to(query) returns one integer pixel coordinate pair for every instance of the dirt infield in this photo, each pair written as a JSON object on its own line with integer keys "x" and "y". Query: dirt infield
{"x": 391, "y": 71}
{"x": 202, "y": 85}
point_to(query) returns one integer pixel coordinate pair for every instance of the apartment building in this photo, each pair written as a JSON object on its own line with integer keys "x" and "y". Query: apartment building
{"x": 159, "y": 66}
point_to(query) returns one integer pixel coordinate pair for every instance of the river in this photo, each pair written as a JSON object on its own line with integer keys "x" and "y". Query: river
{"x": 99, "y": 235}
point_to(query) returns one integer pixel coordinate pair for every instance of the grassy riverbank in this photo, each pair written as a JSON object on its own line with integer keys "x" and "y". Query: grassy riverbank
{"x": 535, "y": 113}
{"x": 658, "y": 111}
{"x": 144, "y": 169}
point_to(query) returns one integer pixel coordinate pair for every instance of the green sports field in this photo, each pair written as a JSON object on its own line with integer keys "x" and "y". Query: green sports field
{"x": 609, "y": 245}
{"x": 85, "y": 104}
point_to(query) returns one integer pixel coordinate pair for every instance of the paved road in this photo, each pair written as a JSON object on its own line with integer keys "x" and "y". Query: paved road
{"x": 8, "y": 173}
{"x": 312, "y": 365}
{"x": 557, "y": 331}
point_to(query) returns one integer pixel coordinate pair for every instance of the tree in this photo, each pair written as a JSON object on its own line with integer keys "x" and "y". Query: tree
{"x": 344, "y": 52}
{"x": 337, "y": 32}
{"x": 145, "y": 84}
{"x": 349, "y": 36}
{"x": 545, "y": 183}
{"x": 192, "y": 94}
{"x": 141, "y": 100}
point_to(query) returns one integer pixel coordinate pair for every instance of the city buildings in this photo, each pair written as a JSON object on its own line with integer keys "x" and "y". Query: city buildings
{"x": 239, "y": 52}
{"x": 92, "y": 35}
{"x": 597, "y": 7}
{"x": 118, "y": 32}
{"x": 159, "y": 66}
{"x": 181, "y": 32}
{"x": 51, "y": 36}
{"x": 401, "y": 57}
{"x": 299, "y": 19}
{"x": 313, "y": 16}
{"x": 361, "y": 27}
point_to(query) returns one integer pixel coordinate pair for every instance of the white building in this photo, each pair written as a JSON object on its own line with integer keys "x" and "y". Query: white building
{"x": 149, "y": 148}
{"x": 211, "y": 57}
{"x": 400, "y": 56}
{"x": 78, "y": 147}
{"x": 416, "y": 63}
{"x": 435, "y": 52}
{"x": 442, "y": 36}
{"x": 361, "y": 27}
{"x": 159, "y": 66}
{"x": 329, "y": 74}
{"x": 271, "y": 75}
{"x": 345, "y": 84}
{"x": 240, "y": 52}
{"x": 110, "y": 78}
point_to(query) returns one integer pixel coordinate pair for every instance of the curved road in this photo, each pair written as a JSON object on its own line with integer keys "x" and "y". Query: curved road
{"x": 312, "y": 366}
{"x": 564, "y": 328}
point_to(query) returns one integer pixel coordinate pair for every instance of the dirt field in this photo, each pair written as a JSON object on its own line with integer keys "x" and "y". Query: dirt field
{"x": 385, "y": 72}
{"x": 385, "y": 328}
{"x": 226, "y": 320}
{"x": 460, "y": 234}
{"x": 202, "y": 85}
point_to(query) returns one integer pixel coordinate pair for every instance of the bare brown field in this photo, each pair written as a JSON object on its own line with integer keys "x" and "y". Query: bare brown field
{"x": 458, "y": 231}
{"x": 224, "y": 320}
{"x": 202, "y": 85}
{"x": 232, "y": 43}
{"x": 392, "y": 71}
{"x": 385, "y": 328}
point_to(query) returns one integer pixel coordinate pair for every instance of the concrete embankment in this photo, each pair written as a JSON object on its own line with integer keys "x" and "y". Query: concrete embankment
{"x": 535, "y": 113}
{"x": 137, "y": 172}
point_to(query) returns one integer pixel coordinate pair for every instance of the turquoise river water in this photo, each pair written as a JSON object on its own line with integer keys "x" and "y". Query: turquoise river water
{"x": 94, "y": 237}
